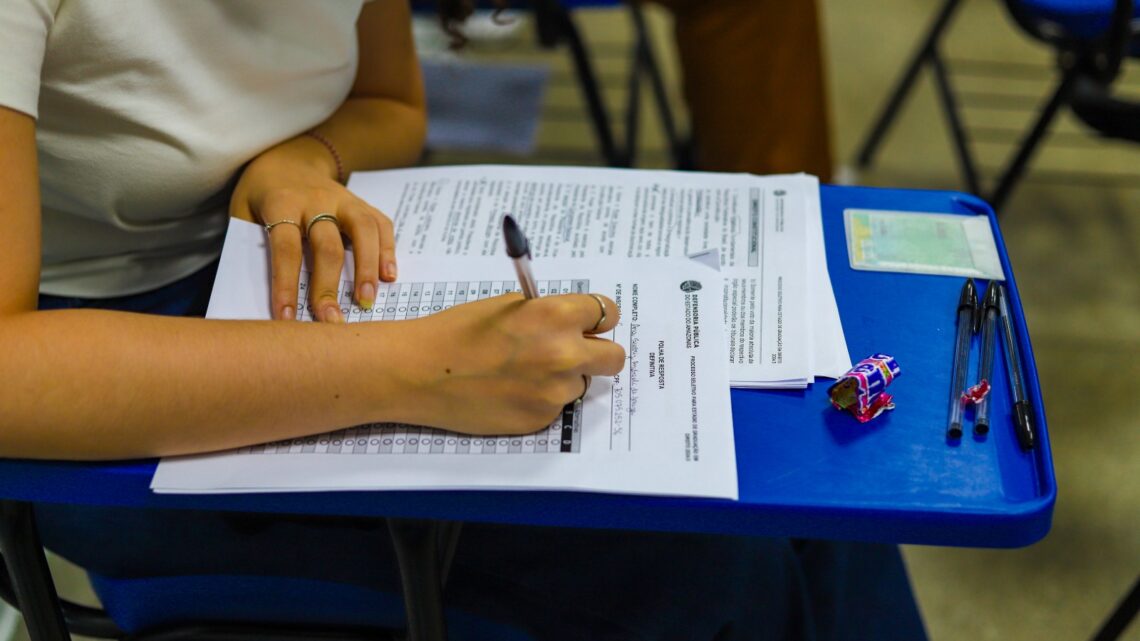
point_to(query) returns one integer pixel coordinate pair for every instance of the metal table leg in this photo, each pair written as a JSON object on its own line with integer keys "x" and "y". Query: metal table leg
{"x": 28, "y": 569}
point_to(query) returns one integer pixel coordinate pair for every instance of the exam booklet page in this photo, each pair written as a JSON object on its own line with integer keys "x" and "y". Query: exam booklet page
{"x": 663, "y": 425}
{"x": 757, "y": 226}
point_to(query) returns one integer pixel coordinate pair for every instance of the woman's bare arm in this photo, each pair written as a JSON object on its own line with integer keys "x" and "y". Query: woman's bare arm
{"x": 87, "y": 384}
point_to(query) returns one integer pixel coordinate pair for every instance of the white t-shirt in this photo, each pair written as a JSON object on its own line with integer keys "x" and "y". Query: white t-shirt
{"x": 147, "y": 109}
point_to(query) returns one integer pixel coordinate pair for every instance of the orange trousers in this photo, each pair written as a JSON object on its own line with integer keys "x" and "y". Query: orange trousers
{"x": 754, "y": 84}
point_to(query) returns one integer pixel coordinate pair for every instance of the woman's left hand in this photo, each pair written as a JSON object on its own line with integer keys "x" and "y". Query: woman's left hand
{"x": 288, "y": 187}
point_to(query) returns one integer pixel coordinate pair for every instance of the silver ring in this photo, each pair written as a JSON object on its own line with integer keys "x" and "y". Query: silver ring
{"x": 269, "y": 226}
{"x": 586, "y": 380}
{"x": 318, "y": 218}
{"x": 602, "y": 304}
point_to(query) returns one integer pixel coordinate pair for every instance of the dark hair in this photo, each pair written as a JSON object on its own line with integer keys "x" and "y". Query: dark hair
{"x": 452, "y": 13}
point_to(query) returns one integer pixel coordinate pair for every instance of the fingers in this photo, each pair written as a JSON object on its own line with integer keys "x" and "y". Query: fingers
{"x": 595, "y": 313}
{"x": 362, "y": 228}
{"x": 285, "y": 259}
{"x": 327, "y": 250}
{"x": 602, "y": 357}
{"x": 387, "y": 244}
{"x": 374, "y": 250}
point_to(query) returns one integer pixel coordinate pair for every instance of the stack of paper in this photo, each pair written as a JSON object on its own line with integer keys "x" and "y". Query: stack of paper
{"x": 719, "y": 278}
{"x": 780, "y": 314}
{"x": 663, "y": 425}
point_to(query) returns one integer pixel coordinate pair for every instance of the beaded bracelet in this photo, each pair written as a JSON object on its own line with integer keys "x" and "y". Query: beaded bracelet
{"x": 332, "y": 150}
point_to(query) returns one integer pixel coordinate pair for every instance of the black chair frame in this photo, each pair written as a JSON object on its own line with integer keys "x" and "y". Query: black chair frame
{"x": 424, "y": 549}
{"x": 1086, "y": 69}
{"x": 555, "y": 25}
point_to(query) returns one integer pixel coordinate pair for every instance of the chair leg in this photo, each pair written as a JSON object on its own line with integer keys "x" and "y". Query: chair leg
{"x": 555, "y": 23}
{"x": 677, "y": 147}
{"x": 905, "y": 83}
{"x": 633, "y": 102}
{"x": 1029, "y": 144}
{"x": 1124, "y": 613}
{"x": 28, "y": 569}
{"x": 954, "y": 121}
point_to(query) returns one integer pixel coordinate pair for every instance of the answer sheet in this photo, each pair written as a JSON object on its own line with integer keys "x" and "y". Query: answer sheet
{"x": 663, "y": 425}
{"x": 759, "y": 226}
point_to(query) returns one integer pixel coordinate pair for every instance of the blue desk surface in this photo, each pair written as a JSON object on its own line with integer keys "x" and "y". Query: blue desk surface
{"x": 805, "y": 469}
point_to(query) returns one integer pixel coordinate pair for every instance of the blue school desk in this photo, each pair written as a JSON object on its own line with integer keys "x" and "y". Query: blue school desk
{"x": 805, "y": 469}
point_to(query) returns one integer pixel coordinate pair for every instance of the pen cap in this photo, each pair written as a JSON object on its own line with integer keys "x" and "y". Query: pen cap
{"x": 969, "y": 300}
{"x": 517, "y": 245}
{"x": 991, "y": 299}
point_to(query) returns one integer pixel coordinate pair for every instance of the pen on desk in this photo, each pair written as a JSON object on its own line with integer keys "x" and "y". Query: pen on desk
{"x": 1022, "y": 410}
{"x": 967, "y": 310}
{"x": 989, "y": 316}
{"x": 519, "y": 250}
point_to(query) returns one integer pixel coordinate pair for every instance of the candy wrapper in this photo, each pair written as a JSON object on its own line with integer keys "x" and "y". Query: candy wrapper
{"x": 861, "y": 390}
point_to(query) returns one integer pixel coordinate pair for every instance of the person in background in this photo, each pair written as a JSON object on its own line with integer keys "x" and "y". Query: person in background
{"x": 753, "y": 80}
{"x": 754, "y": 84}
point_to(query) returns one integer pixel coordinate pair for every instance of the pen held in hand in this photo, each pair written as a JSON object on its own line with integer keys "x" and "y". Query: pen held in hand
{"x": 519, "y": 250}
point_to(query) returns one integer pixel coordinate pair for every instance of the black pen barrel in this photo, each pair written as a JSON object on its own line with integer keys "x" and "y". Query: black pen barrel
{"x": 1012, "y": 353}
{"x": 967, "y": 318}
{"x": 990, "y": 309}
{"x": 1022, "y": 409}
{"x": 985, "y": 371}
{"x": 958, "y": 372}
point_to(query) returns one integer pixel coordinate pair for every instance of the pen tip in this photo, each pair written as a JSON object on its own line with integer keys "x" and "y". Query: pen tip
{"x": 516, "y": 242}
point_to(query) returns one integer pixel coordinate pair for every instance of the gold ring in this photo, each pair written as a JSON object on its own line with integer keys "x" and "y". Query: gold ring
{"x": 586, "y": 380}
{"x": 318, "y": 218}
{"x": 602, "y": 304}
{"x": 269, "y": 227}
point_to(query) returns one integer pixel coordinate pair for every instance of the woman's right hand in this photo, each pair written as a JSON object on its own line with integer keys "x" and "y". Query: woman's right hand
{"x": 505, "y": 365}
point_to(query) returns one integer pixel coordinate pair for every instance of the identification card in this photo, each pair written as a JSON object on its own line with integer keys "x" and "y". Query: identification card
{"x": 922, "y": 243}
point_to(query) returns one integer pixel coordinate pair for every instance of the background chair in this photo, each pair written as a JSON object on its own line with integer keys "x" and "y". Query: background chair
{"x": 1091, "y": 38}
{"x": 555, "y": 26}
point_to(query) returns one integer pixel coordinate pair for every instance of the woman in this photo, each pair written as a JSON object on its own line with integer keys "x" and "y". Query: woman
{"x": 147, "y": 114}
{"x": 143, "y": 123}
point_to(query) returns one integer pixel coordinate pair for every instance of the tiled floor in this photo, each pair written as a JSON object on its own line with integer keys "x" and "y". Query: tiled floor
{"x": 1073, "y": 232}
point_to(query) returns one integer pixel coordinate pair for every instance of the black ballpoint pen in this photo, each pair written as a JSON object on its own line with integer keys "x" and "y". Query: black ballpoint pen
{"x": 1022, "y": 410}
{"x": 519, "y": 250}
{"x": 989, "y": 316}
{"x": 967, "y": 311}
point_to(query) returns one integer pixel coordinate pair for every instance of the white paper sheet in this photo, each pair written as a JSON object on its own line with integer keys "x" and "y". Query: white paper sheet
{"x": 661, "y": 426}
{"x": 830, "y": 357}
{"x": 758, "y": 224}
